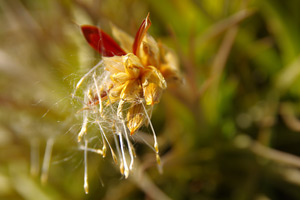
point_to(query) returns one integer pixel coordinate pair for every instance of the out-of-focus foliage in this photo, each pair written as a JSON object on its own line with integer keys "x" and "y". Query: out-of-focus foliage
{"x": 230, "y": 131}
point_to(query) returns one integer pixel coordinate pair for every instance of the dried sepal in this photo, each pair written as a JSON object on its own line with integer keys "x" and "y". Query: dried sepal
{"x": 135, "y": 117}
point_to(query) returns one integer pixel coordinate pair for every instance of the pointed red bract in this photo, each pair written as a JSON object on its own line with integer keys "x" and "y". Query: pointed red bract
{"x": 141, "y": 34}
{"x": 101, "y": 41}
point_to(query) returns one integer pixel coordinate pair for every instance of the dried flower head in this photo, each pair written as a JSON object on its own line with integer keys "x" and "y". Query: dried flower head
{"x": 132, "y": 77}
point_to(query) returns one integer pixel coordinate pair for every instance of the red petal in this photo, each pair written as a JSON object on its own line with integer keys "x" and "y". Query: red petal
{"x": 140, "y": 34}
{"x": 101, "y": 42}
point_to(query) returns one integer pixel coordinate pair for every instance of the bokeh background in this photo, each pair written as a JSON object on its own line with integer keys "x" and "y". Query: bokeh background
{"x": 231, "y": 130}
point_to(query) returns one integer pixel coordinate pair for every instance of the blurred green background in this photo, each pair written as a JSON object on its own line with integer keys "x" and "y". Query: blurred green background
{"x": 230, "y": 131}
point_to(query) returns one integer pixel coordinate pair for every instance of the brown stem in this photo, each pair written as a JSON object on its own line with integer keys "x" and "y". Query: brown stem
{"x": 275, "y": 155}
{"x": 289, "y": 117}
{"x": 143, "y": 181}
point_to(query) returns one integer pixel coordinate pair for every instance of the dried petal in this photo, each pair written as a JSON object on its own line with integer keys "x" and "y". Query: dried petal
{"x": 113, "y": 64}
{"x": 132, "y": 65}
{"x": 153, "y": 75}
{"x": 169, "y": 74}
{"x": 149, "y": 52}
{"x": 132, "y": 90}
{"x": 101, "y": 42}
{"x": 120, "y": 77}
{"x": 169, "y": 64}
{"x": 170, "y": 58}
{"x": 135, "y": 117}
{"x": 115, "y": 92}
{"x": 152, "y": 93}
